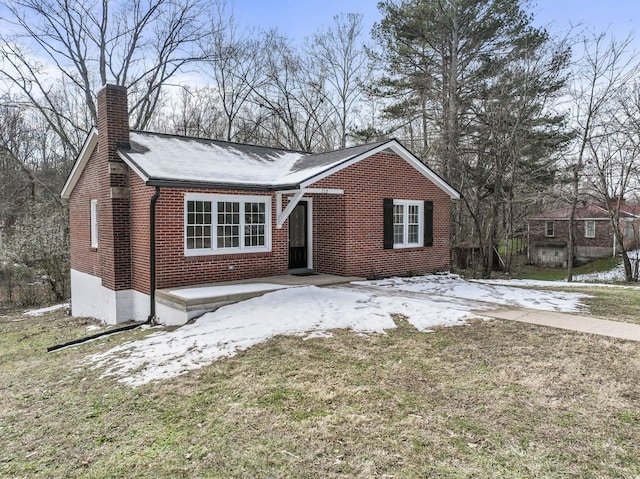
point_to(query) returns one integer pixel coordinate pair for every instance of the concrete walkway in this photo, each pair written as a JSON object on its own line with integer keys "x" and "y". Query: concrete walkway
{"x": 582, "y": 324}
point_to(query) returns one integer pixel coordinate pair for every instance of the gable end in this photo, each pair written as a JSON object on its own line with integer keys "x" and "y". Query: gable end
{"x": 403, "y": 153}
{"x": 87, "y": 149}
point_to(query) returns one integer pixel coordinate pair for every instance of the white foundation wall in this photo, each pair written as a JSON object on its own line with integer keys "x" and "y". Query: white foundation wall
{"x": 90, "y": 298}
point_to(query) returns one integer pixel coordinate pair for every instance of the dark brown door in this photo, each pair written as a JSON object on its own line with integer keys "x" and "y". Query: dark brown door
{"x": 298, "y": 236}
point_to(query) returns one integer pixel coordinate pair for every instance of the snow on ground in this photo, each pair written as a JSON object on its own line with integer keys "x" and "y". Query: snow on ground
{"x": 306, "y": 310}
{"x": 452, "y": 285}
{"x": 41, "y": 311}
{"x": 615, "y": 274}
{"x": 312, "y": 312}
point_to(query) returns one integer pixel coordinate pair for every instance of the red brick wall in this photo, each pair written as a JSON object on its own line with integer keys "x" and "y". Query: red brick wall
{"x": 329, "y": 232}
{"x": 84, "y": 258}
{"x": 603, "y": 238}
{"x": 175, "y": 269}
{"x": 352, "y": 243}
{"x": 140, "y": 203}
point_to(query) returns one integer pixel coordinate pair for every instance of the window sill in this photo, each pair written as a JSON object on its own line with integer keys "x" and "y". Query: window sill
{"x": 225, "y": 254}
{"x": 406, "y": 247}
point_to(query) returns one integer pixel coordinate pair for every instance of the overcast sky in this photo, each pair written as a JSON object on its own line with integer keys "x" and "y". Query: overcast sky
{"x": 300, "y": 18}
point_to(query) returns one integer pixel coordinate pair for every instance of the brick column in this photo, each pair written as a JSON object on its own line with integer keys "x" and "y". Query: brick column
{"x": 114, "y": 213}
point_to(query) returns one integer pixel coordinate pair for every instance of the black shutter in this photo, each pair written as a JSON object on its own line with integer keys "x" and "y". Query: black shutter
{"x": 428, "y": 223}
{"x": 388, "y": 223}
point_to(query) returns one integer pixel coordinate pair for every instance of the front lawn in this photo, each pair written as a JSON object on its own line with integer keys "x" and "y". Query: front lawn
{"x": 529, "y": 271}
{"x": 492, "y": 399}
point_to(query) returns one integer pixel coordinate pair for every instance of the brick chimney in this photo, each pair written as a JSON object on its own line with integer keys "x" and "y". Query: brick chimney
{"x": 114, "y": 204}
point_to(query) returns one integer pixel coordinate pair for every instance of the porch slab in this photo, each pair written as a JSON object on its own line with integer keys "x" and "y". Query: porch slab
{"x": 176, "y": 306}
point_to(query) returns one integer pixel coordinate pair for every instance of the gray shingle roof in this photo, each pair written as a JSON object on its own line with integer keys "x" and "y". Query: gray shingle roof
{"x": 169, "y": 158}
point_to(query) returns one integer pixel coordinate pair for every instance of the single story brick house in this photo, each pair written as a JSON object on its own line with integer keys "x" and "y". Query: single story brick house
{"x": 150, "y": 211}
{"x": 549, "y": 234}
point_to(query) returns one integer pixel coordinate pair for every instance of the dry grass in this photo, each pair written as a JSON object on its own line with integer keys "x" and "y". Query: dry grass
{"x": 619, "y": 304}
{"x": 493, "y": 399}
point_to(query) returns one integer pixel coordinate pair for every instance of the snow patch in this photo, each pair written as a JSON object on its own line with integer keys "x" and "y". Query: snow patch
{"x": 613, "y": 275}
{"x": 307, "y": 310}
{"x": 452, "y": 285}
{"x": 365, "y": 307}
{"x": 41, "y": 311}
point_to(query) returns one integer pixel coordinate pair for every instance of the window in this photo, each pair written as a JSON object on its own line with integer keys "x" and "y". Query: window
{"x": 407, "y": 223}
{"x": 220, "y": 224}
{"x": 548, "y": 228}
{"x": 589, "y": 229}
{"x": 94, "y": 223}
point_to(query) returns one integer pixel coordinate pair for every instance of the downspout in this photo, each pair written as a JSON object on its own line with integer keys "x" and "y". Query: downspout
{"x": 152, "y": 256}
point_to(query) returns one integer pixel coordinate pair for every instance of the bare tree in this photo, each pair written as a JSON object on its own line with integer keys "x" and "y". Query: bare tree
{"x": 614, "y": 159}
{"x": 294, "y": 111}
{"x": 603, "y": 70}
{"x": 340, "y": 60}
{"x": 234, "y": 65}
{"x": 135, "y": 43}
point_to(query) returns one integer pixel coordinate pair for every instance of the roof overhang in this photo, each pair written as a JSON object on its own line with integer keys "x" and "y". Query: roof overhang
{"x": 87, "y": 149}
{"x": 283, "y": 214}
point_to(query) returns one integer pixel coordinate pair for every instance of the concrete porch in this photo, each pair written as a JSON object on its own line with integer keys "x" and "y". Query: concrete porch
{"x": 176, "y": 306}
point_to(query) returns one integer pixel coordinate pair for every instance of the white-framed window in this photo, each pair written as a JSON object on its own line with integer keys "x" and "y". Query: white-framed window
{"x": 549, "y": 229}
{"x": 408, "y": 223}
{"x": 93, "y": 215}
{"x": 223, "y": 224}
{"x": 589, "y": 229}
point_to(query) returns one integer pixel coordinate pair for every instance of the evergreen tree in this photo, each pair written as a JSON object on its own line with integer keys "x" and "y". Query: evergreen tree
{"x": 478, "y": 79}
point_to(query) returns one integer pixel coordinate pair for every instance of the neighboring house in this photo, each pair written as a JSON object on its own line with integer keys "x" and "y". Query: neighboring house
{"x": 150, "y": 211}
{"x": 593, "y": 233}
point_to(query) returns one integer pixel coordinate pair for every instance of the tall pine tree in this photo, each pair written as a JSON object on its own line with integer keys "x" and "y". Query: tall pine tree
{"x": 478, "y": 80}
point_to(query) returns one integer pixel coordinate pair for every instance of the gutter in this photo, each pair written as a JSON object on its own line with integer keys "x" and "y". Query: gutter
{"x": 152, "y": 256}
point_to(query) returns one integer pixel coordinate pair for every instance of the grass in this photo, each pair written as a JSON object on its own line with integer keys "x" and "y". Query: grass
{"x": 621, "y": 304}
{"x": 493, "y": 399}
{"x": 558, "y": 274}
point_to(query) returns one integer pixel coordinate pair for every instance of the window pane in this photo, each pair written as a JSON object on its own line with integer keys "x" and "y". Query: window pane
{"x": 254, "y": 218}
{"x": 398, "y": 234}
{"x": 198, "y": 227}
{"x": 413, "y": 234}
{"x": 413, "y": 225}
{"x": 398, "y": 224}
{"x": 228, "y": 221}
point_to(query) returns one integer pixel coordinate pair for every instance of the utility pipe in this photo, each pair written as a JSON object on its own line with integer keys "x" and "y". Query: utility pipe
{"x": 152, "y": 256}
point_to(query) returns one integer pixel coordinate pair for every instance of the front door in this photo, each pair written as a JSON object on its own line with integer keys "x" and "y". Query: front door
{"x": 298, "y": 236}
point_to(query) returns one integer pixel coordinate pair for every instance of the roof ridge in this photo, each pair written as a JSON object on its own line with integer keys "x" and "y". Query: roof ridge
{"x": 214, "y": 140}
